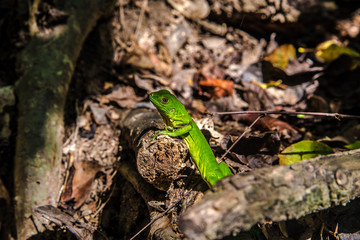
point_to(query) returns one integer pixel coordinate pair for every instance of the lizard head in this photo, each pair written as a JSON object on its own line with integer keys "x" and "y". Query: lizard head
{"x": 170, "y": 108}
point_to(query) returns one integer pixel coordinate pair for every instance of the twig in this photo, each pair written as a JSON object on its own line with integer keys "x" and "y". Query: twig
{"x": 248, "y": 129}
{"x": 164, "y": 213}
{"x": 71, "y": 150}
{"x": 121, "y": 14}
{"x": 320, "y": 114}
{"x": 141, "y": 17}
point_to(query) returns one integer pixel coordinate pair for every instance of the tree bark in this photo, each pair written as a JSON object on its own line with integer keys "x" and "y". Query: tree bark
{"x": 46, "y": 64}
{"x": 151, "y": 165}
{"x": 276, "y": 193}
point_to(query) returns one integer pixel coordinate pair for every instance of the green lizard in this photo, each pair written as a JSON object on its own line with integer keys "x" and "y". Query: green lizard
{"x": 178, "y": 123}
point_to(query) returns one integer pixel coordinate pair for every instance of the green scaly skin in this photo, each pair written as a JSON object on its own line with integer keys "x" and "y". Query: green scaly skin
{"x": 178, "y": 123}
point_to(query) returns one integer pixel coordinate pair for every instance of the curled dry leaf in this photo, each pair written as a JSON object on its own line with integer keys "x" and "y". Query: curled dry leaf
{"x": 270, "y": 123}
{"x": 260, "y": 160}
{"x": 144, "y": 83}
{"x": 264, "y": 143}
{"x": 99, "y": 113}
{"x": 144, "y": 59}
{"x": 198, "y": 105}
{"x": 178, "y": 36}
{"x": 257, "y": 97}
{"x": 180, "y": 82}
{"x": 212, "y": 70}
{"x": 124, "y": 96}
{"x": 254, "y": 151}
{"x": 217, "y": 88}
{"x": 81, "y": 177}
{"x": 281, "y": 56}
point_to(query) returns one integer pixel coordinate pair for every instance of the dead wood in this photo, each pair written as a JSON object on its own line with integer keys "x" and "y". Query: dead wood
{"x": 276, "y": 193}
{"x": 151, "y": 172}
{"x": 80, "y": 230}
{"x": 158, "y": 162}
{"x": 46, "y": 64}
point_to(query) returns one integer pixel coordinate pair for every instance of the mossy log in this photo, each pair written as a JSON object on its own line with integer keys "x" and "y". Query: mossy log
{"x": 46, "y": 67}
{"x": 276, "y": 193}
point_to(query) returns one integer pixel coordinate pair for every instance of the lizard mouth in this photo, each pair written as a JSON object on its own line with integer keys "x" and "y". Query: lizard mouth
{"x": 151, "y": 97}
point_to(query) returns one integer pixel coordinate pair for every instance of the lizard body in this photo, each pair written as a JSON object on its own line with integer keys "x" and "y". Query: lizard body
{"x": 178, "y": 123}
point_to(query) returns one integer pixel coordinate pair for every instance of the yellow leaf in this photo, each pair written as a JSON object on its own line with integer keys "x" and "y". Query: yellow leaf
{"x": 329, "y": 51}
{"x": 303, "y": 150}
{"x": 280, "y": 56}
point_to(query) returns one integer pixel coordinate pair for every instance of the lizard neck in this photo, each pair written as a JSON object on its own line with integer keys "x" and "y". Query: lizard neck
{"x": 182, "y": 119}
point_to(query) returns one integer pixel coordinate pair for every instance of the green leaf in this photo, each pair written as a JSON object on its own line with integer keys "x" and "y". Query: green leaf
{"x": 354, "y": 145}
{"x": 303, "y": 150}
{"x": 300, "y": 116}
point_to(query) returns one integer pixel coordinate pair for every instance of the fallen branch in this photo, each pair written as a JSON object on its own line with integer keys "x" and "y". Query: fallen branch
{"x": 276, "y": 193}
{"x": 315, "y": 114}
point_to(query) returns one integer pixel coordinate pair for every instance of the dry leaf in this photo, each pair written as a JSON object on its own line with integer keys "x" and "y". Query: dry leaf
{"x": 80, "y": 181}
{"x": 270, "y": 123}
{"x": 217, "y": 88}
{"x": 281, "y": 56}
{"x": 124, "y": 96}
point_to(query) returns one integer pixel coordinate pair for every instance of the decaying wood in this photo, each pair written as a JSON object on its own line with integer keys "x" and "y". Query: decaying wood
{"x": 276, "y": 193}
{"x": 158, "y": 162}
{"x": 46, "y": 66}
{"x": 80, "y": 230}
{"x": 148, "y": 193}
{"x": 151, "y": 168}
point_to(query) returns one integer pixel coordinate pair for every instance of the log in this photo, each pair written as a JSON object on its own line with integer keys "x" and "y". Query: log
{"x": 156, "y": 164}
{"x": 276, "y": 193}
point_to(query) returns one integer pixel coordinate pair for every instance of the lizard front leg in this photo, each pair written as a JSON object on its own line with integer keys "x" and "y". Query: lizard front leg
{"x": 175, "y": 132}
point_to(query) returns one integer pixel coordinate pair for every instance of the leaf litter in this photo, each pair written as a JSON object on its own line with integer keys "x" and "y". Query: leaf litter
{"x": 211, "y": 68}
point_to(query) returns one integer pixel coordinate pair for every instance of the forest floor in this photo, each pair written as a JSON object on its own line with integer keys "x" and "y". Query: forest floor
{"x": 215, "y": 56}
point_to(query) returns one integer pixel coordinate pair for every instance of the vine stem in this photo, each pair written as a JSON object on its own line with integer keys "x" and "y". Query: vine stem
{"x": 248, "y": 129}
{"x": 319, "y": 114}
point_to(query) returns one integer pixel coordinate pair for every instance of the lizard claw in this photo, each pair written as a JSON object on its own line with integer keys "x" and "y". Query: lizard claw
{"x": 155, "y": 136}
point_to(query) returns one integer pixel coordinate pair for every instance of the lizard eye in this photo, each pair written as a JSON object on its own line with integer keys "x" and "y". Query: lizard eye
{"x": 165, "y": 100}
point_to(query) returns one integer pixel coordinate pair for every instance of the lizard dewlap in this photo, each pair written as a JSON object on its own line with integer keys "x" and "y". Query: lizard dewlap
{"x": 178, "y": 123}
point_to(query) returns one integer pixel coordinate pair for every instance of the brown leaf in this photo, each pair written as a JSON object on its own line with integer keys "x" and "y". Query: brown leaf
{"x": 198, "y": 105}
{"x": 217, "y": 88}
{"x": 257, "y": 97}
{"x": 261, "y": 160}
{"x": 270, "y": 123}
{"x": 124, "y": 96}
{"x": 264, "y": 143}
{"x": 99, "y": 113}
{"x": 253, "y": 151}
{"x": 80, "y": 182}
{"x": 141, "y": 58}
